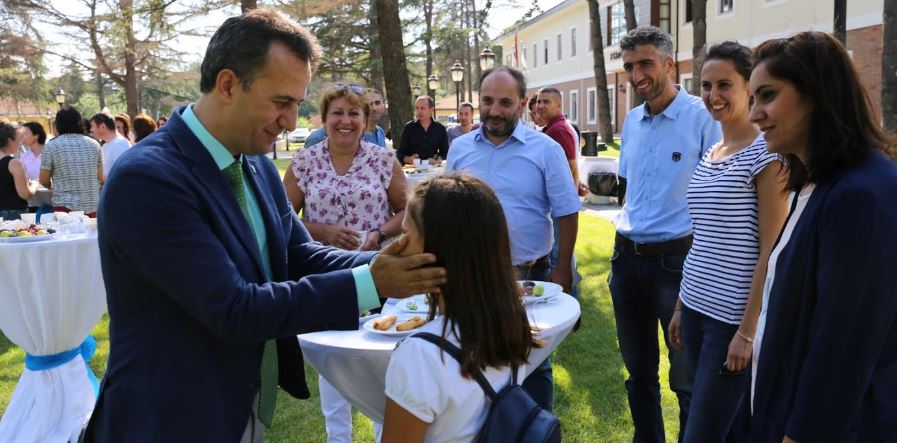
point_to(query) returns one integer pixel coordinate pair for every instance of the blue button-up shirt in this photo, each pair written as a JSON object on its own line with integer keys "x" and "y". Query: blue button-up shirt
{"x": 658, "y": 155}
{"x": 531, "y": 178}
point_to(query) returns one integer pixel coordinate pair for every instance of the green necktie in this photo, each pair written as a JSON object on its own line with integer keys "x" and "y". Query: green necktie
{"x": 268, "y": 391}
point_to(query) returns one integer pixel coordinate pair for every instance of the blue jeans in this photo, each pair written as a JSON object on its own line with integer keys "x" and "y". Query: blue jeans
{"x": 717, "y": 400}
{"x": 553, "y": 259}
{"x": 644, "y": 289}
{"x": 539, "y": 384}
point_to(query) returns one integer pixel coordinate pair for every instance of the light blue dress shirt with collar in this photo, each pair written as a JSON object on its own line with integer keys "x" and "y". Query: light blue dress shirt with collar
{"x": 658, "y": 155}
{"x": 378, "y": 137}
{"x": 364, "y": 283}
{"x": 531, "y": 178}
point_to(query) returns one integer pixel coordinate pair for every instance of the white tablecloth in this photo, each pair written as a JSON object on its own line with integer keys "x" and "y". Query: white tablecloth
{"x": 355, "y": 362}
{"x": 52, "y": 295}
{"x": 415, "y": 177}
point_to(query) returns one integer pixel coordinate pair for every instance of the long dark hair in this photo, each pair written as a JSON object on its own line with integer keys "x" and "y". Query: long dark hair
{"x": 843, "y": 132}
{"x": 462, "y": 223}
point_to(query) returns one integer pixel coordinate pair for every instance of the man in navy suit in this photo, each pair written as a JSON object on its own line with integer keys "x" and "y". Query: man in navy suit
{"x": 209, "y": 273}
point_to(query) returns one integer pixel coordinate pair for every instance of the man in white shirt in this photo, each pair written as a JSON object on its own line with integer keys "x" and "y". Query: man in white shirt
{"x": 102, "y": 127}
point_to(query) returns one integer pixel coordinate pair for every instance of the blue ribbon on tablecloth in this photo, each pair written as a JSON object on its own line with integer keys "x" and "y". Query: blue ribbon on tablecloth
{"x": 87, "y": 348}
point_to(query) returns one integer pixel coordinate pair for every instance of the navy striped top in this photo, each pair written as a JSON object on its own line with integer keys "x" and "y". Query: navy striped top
{"x": 722, "y": 201}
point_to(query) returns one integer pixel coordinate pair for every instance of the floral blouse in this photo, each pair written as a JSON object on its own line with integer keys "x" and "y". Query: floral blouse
{"x": 357, "y": 200}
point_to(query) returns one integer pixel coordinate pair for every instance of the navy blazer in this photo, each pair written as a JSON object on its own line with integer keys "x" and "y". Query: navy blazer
{"x": 828, "y": 362}
{"x": 189, "y": 304}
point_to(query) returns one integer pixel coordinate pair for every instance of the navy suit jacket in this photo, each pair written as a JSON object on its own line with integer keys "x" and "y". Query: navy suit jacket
{"x": 189, "y": 304}
{"x": 828, "y": 362}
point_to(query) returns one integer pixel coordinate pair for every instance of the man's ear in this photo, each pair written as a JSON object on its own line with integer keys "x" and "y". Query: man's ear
{"x": 225, "y": 83}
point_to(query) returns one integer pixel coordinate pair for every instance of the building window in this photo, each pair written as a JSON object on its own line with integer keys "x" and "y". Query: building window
{"x": 686, "y": 80}
{"x": 688, "y": 11}
{"x": 591, "y": 106}
{"x": 560, "y": 46}
{"x": 617, "y": 23}
{"x": 535, "y": 55}
{"x": 664, "y": 15}
{"x": 574, "y": 106}
{"x": 573, "y": 42}
{"x": 524, "y": 60}
{"x": 508, "y": 60}
{"x": 545, "y": 51}
{"x": 726, "y": 6}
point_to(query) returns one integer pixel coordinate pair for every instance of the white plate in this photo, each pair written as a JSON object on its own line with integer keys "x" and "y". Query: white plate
{"x": 33, "y": 238}
{"x": 407, "y": 304}
{"x": 400, "y": 318}
{"x": 551, "y": 289}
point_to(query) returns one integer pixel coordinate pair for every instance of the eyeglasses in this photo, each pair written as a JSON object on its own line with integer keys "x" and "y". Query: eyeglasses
{"x": 352, "y": 87}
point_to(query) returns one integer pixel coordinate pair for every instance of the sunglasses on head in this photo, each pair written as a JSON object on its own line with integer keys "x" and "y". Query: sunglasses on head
{"x": 354, "y": 88}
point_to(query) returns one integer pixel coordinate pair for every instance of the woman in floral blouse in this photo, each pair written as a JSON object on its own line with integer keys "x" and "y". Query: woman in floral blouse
{"x": 349, "y": 190}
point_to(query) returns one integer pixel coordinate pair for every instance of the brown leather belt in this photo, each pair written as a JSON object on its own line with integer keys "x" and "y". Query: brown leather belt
{"x": 670, "y": 247}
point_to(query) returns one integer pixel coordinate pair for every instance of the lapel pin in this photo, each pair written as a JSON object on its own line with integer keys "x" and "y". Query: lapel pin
{"x": 252, "y": 168}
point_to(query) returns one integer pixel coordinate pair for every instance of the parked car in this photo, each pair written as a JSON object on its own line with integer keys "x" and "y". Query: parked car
{"x": 299, "y": 135}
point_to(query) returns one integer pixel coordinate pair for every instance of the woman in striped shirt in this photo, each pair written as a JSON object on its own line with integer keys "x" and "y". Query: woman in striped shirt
{"x": 738, "y": 203}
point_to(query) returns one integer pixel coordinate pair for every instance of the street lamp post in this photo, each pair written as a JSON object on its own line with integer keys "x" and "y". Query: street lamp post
{"x": 416, "y": 91}
{"x": 60, "y": 97}
{"x": 457, "y": 76}
{"x": 487, "y": 59}
{"x": 433, "y": 84}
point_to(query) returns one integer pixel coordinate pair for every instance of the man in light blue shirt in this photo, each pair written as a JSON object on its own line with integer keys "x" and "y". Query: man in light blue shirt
{"x": 662, "y": 141}
{"x": 529, "y": 174}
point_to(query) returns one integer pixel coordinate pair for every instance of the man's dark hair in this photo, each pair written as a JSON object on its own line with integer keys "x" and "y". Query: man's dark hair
{"x": 517, "y": 75}
{"x": 68, "y": 121}
{"x": 466, "y": 105}
{"x": 38, "y": 130}
{"x": 532, "y": 101}
{"x": 648, "y": 35}
{"x": 844, "y": 130}
{"x": 241, "y": 44}
{"x": 551, "y": 90}
{"x": 103, "y": 119}
{"x": 738, "y": 54}
{"x": 7, "y": 133}
{"x": 430, "y": 103}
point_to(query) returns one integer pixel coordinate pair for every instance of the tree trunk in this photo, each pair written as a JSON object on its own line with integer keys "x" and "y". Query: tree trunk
{"x": 629, "y": 8}
{"x": 428, "y": 44}
{"x": 101, "y": 93}
{"x": 376, "y": 59}
{"x": 473, "y": 75}
{"x": 840, "y": 25}
{"x": 246, "y": 5}
{"x": 699, "y": 23}
{"x": 398, "y": 88}
{"x": 604, "y": 124}
{"x": 889, "y": 68}
{"x": 132, "y": 92}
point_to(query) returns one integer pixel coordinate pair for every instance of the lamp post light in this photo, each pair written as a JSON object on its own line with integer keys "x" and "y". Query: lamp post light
{"x": 433, "y": 84}
{"x": 457, "y": 76}
{"x": 60, "y": 97}
{"x": 487, "y": 59}
{"x": 416, "y": 91}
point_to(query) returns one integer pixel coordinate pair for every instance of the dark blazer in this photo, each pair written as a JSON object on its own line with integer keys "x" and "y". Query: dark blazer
{"x": 189, "y": 305}
{"x": 828, "y": 362}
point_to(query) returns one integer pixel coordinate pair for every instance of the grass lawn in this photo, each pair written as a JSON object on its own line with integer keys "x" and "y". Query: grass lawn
{"x": 590, "y": 398}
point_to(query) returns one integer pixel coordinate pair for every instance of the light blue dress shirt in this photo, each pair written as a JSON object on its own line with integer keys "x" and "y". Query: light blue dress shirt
{"x": 531, "y": 178}
{"x": 658, "y": 155}
{"x": 378, "y": 137}
{"x": 364, "y": 283}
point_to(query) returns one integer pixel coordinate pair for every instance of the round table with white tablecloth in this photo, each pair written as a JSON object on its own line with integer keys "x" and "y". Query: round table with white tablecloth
{"x": 355, "y": 362}
{"x": 52, "y": 295}
{"x": 416, "y": 176}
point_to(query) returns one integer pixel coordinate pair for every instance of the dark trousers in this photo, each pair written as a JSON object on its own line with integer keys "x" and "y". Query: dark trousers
{"x": 717, "y": 401}
{"x": 540, "y": 383}
{"x": 644, "y": 289}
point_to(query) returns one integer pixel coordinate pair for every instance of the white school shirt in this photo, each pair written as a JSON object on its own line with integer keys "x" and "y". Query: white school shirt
{"x": 427, "y": 382}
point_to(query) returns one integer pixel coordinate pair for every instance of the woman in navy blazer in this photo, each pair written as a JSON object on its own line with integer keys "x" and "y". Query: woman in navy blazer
{"x": 826, "y": 369}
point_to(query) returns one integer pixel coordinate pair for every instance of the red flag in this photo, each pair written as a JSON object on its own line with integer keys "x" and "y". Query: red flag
{"x": 516, "y": 49}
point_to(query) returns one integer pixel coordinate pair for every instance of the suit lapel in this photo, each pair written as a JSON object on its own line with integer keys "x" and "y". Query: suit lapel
{"x": 212, "y": 179}
{"x": 270, "y": 216}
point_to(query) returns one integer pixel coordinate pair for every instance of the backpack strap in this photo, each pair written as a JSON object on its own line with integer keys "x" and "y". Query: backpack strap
{"x": 455, "y": 352}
